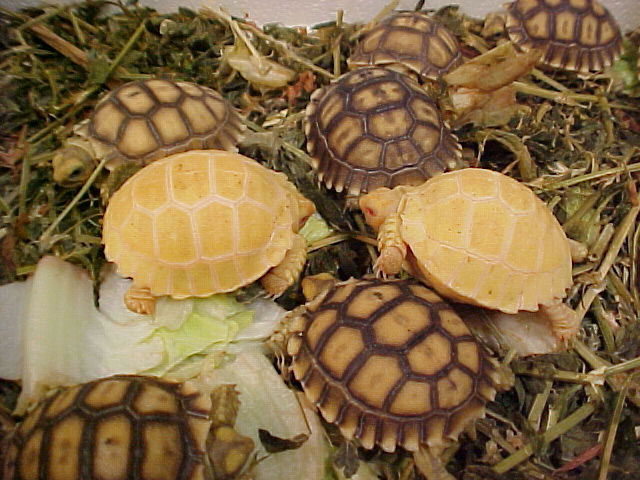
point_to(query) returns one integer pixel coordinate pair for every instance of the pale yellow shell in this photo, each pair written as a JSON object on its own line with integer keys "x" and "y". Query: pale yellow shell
{"x": 199, "y": 222}
{"x": 481, "y": 237}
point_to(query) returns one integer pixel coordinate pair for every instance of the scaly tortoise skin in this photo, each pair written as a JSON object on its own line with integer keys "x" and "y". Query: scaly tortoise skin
{"x": 578, "y": 35}
{"x": 203, "y": 222}
{"x": 138, "y": 428}
{"x": 412, "y": 41}
{"x": 145, "y": 120}
{"x": 391, "y": 364}
{"x": 375, "y": 127}
{"x": 479, "y": 237}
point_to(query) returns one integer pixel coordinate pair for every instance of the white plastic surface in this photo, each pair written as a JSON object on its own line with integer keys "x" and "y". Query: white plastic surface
{"x": 310, "y": 12}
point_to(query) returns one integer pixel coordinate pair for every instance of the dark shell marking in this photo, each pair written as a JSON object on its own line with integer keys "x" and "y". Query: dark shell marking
{"x": 412, "y": 40}
{"x": 128, "y": 426}
{"x": 391, "y": 364}
{"x": 579, "y": 35}
{"x": 150, "y": 119}
{"x": 375, "y": 128}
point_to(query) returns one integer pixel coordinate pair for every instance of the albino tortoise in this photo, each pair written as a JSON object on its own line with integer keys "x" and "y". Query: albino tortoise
{"x": 126, "y": 426}
{"x": 478, "y": 237}
{"x": 145, "y": 120}
{"x": 203, "y": 222}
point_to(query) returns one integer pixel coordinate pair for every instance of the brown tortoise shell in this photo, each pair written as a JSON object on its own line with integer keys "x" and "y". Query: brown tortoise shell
{"x": 391, "y": 364}
{"x": 411, "y": 40}
{"x": 117, "y": 427}
{"x": 375, "y": 127}
{"x": 578, "y": 35}
{"x": 150, "y": 119}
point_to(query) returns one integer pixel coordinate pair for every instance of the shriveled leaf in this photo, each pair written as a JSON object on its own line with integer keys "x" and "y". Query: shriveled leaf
{"x": 273, "y": 444}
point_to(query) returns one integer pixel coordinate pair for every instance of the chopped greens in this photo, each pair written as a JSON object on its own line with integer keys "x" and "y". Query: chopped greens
{"x": 576, "y": 142}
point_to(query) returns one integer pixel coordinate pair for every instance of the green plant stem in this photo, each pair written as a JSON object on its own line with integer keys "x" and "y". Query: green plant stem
{"x": 40, "y": 18}
{"x": 330, "y": 240}
{"x": 605, "y": 459}
{"x": 125, "y": 50}
{"x": 46, "y": 236}
{"x": 635, "y": 167}
{"x": 301, "y": 154}
{"x": 599, "y": 311}
{"x": 558, "y": 429}
{"x": 5, "y": 207}
{"x": 562, "y": 376}
{"x": 622, "y": 367}
{"x": 539, "y": 75}
{"x": 609, "y": 259}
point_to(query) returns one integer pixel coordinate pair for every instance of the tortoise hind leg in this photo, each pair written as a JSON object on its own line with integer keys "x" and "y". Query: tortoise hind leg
{"x": 140, "y": 300}
{"x": 282, "y": 276}
{"x": 564, "y": 321}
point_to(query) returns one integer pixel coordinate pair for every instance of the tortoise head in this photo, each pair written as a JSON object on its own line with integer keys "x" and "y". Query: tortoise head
{"x": 73, "y": 163}
{"x": 379, "y": 204}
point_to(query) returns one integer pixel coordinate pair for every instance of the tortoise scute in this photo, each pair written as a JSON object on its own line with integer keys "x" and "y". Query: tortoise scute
{"x": 579, "y": 35}
{"x": 171, "y": 225}
{"x": 492, "y": 222}
{"x": 391, "y": 364}
{"x": 119, "y": 427}
{"x": 411, "y": 40}
{"x": 150, "y": 119}
{"x": 375, "y": 127}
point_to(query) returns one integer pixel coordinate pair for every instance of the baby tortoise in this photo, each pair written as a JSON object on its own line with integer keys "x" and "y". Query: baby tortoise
{"x": 577, "y": 35}
{"x": 203, "y": 222}
{"x": 125, "y": 427}
{"x": 408, "y": 41}
{"x": 145, "y": 120}
{"x": 390, "y": 363}
{"x": 374, "y": 127}
{"x": 478, "y": 237}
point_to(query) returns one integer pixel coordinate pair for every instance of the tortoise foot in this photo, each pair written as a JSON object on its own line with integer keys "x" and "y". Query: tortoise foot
{"x": 282, "y": 276}
{"x": 392, "y": 248}
{"x": 140, "y": 300}
{"x": 565, "y": 323}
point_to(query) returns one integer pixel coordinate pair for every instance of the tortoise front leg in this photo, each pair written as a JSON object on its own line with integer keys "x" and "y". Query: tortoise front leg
{"x": 392, "y": 249}
{"x": 282, "y": 276}
{"x": 140, "y": 300}
{"x": 564, "y": 320}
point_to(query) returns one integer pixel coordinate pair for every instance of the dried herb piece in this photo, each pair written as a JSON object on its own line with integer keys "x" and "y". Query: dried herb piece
{"x": 273, "y": 444}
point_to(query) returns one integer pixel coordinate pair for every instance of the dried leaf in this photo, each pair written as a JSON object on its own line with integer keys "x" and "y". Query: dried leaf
{"x": 273, "y": 444}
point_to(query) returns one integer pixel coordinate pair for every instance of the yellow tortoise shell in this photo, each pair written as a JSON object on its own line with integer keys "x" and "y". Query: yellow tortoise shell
{"x": 411, "y": 40}
{"x": 482, "y": 237}
{"x": 117, "y": 427}
{"x": 579, "y": 35}
{"x": 149, "y": 119}
{"x": 199, "y": 222}
{"x": 391, "y": 364}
